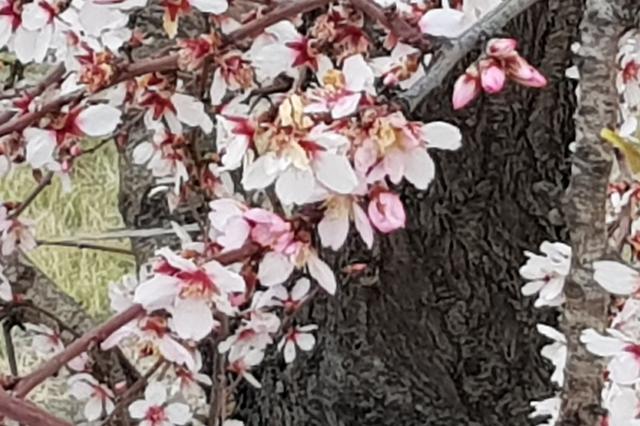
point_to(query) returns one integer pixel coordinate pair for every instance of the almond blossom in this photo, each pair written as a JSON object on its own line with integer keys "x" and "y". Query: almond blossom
{"x": 154, "y": 410}
{"x": 45, "y": 341}
{"x": 622, "y": 351}
{"x": 616, "y": 277}
{"x": 334, "y": 226}
{"x": 555, "y": 352}
{"x": 17, "y": 233}
{"x": 187, "y": 290}
{"x": 342, "y": 90}
{"x": 401, "y": 68}
{"x": 99, "y": 398}
{"x": 397, "y": 148}
{"x": 547, "y": 273}
{"x": 245, "y": 361}
{"x": 152, "y": 336}
{"x": 298, "y": 164}
{"x": 623, "y": 406}
{"x": 300, "y": 337}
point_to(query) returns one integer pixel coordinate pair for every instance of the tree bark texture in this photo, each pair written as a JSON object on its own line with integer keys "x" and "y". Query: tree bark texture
{"x": 587, "y": 303}
{"x": 436, "y": 331}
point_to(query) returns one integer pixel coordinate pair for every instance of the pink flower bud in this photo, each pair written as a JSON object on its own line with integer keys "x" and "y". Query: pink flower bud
{"x": 492, "y": 76}
{"x": 466, "y": 88}
{"x": 501, "y": 47}
{"x": 520, "y": 71}
{"x": 386, "y": 212}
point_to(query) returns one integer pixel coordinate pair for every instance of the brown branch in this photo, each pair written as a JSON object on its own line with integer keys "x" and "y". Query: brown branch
{"x": 585, "y": 207}
{"x": 26, "y": 413}
{"x": 166, "y": 63}
{"x": 133, "y": 391}
{"x": 46, "y": 180}
{"x": 445, "y": 60}
{"x": 97, "y": 335}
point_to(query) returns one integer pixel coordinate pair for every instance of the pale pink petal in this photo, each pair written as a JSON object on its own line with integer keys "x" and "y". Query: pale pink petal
{"x": 251, "y": 379}
{"x": 178, "y": 413}
{"x": 305, "y": 341}
{"x": 93, "y": 409}
{"x": 210, "y": 6}
{"x": 300, "y": 289}
{"x": 256, "y": 175}
{"x": 173, "y": 351}
{"x": 138, "y": 409}
{"x": 624, "y": 368}
{"x": 192, "y": 319}
{"x": 227, "y": 280}
{"x": 98, "y": 120}
{"x": 275, "y": 268}
{"x": 6, "y": 293}
{"x": 419, "y": 168}
{"x": 335, "y": 172}
{"x": 218, "y": 88}
{"x": 601, "y": 345}
{"x": 176, "y": 261}
{"x": 41, "y": 145}
{"x": 443, "y": 22}
{"x": 115, "y": 337}
{"x": 386, "y": 212}
{"x": 363, "y": 225}
{"x": 358, "y": 75}
{"x": 6, "y": 29}
{"x": 34, "y": 17}
{"x": 289, "y": 351}
{"x": 346, "y": 105}
{"x": 190, "y": 111}
{"x": 616, "y": 277}
{"x": 333, "y": 230}
{"x": 158, "y": 292}
{"x": 322, "y": 273}
{"x": 532, "y": 287}
{"x": 155, "y": 393}
{"x": 295, "y": 186}
{"x": 441, "y": 135}
{"x": 143, "y": 152}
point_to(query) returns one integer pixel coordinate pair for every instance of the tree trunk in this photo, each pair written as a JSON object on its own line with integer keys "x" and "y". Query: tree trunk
{"x": 436, "y": 331}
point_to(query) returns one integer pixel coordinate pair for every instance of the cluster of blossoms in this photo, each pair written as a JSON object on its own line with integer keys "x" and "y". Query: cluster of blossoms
{"x": 298, "y": 119}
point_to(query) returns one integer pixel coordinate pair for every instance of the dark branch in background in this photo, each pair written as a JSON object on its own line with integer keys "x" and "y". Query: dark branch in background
{"x": 27, "y": 413}
{"x": 448, "y": 57}
{"x": 585, "y": 207}
{"x": 89, "y": 246}
{"x": 8, "y": 343}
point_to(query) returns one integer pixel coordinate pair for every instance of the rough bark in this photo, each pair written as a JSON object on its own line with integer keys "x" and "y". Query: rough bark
{"x": 436, "y": 331}
{"x": 587, "y": 302}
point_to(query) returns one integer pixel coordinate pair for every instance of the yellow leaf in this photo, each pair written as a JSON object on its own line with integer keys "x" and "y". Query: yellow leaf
{"x": 630, "y": 150}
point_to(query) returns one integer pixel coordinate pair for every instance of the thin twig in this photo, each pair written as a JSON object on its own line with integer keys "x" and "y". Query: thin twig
{"x": 8, "y": 343}
{"x": 218, "y": 394}
{"x": 46, "y": 180}
{"x": 133, "y": 391}
{"x": 88, "y": 246}
{"x": 448, "y": 58}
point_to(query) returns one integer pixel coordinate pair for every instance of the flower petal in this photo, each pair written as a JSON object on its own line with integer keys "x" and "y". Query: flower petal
{"x": 98, "y": 120}
{"x": 275, "y": 268}
{"x": 322, "y": 273}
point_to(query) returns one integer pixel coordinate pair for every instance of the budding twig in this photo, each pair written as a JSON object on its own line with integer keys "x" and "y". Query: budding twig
{"x": 89, "y": 246}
